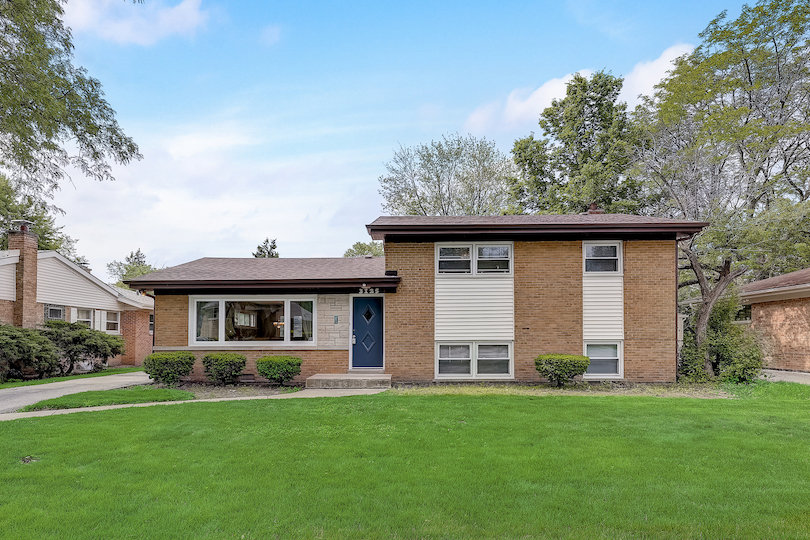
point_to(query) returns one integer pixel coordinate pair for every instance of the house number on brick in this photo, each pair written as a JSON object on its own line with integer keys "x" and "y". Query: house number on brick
{"x": 369, "y": 290}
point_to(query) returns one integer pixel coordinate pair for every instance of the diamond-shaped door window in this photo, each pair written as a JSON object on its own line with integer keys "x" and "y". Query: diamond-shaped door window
{"x": 368, "y": 314}
{"x": 368, "y": 342}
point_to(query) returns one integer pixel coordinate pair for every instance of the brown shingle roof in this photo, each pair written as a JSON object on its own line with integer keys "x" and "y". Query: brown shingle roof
{"x": 799, "y": 277}
{"x": 528, "y": 224}
{"x": 237, "y": 269}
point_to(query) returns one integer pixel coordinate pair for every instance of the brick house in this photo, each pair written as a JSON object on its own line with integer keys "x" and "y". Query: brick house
{"x": 454, "y": 298}
{"x": 36, "y": 286}
{"x": 780, "y": 310}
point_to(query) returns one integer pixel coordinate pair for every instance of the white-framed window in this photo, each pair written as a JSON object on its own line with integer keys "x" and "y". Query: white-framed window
{"x": 606, "y": 360}
{"x": 85, "y": 317}
{"x": 151, "y": 323}
{"x": 600, "y": 257}
{"x": 473, "y": 360}
{"x": 113, "y": 321}
{"x": 54, "y": 313}
{"x": 240, "y": 321}
{"x": 474, "y": 258}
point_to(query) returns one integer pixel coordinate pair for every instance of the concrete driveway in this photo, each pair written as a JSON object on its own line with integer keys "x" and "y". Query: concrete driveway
{"x": 788, "y": 376}
{"x": 12, "y": 399}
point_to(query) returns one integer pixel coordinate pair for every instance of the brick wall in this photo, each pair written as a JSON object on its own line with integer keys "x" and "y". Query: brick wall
{"x": 409, "y": 338}
{"x": 171, "y": 320}
{"x": 650, "y": 319}
{"x": 786, "y": 324}
{"x": 548, "y": 302}
{"x": 137, "y": 339}
{"x": 6, "y": 312}
{"x": 26, "y": 310}
{"x": 312, "y": 362}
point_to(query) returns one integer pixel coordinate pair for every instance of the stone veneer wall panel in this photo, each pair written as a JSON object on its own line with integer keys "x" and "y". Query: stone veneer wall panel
{"x": 331, "y": 335}
{"x": 548, "y": 302}
{"x": 650, "y": 310}
{"x": 409, "y": 338}
{"x": 786, "y": 325}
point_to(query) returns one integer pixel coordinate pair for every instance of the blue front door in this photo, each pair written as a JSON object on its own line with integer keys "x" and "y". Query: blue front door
{"x": 367, "y": 332}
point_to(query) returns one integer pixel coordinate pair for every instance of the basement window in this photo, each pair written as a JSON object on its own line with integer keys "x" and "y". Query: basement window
{"x": 54, "y": 313}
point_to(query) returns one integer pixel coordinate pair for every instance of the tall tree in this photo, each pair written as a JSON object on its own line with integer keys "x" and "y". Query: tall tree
{"x": 584, "y": 156}
{"x": 453, "y": 177}
{"x": 266, "y": 250}
{"x": 361, "y": 249}
{"x": 133, "y": 265}
{"x": 53, "y": 115}
{"x": 49, "y": 235}
{"x": 727, "y": 138}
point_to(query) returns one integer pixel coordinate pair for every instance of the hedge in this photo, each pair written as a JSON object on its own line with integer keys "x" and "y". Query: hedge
{"x": 224, "y": 368}
{"x": 561, "y": 368}
{"x": 278, "y": 369}
{"x": 169, "y": 367}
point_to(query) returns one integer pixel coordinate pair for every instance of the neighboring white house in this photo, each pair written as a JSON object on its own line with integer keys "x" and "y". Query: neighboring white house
{"x": 55, "y": 288}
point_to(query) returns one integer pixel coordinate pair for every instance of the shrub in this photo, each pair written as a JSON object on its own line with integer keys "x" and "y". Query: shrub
{"x": 167, "y": 368}
{"x": 224, "y": 368}
{"x": 734, "y": 349}
{"x": 279, "y": 369}
{"x": 561, "y": 368}
{"x": 25, "y": 350}
{"x": 76, "y": 342}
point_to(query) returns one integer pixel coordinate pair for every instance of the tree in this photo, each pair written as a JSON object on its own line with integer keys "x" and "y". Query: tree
{"x": 360, "y": 249}
{"x": 726, "y": 137}
{"x": 266, "y": 250}
{"x": 134, "y": 265}
{"x": 76, "y": 342}
{"x": 49, "y": 235}
{"x": 53, "y": 115}
{"x": 456, "y": 176}
{"x": 584, "y": 156}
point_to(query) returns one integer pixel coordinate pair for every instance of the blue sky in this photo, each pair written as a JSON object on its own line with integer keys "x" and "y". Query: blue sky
{"x": 275, "y": 119}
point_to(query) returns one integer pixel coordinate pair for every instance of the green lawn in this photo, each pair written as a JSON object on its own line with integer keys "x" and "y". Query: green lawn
{"x": 417, "y": 466}
{"x": 120, "y": 396}
{"x": 110, "y": 371}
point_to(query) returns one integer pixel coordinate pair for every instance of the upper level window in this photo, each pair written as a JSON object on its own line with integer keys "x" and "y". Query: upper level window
{"x": 233, "y": 320}
{"x": 454, "y": 260}
{"x": 474, "y": 259}
{"x": 602, "y": 257}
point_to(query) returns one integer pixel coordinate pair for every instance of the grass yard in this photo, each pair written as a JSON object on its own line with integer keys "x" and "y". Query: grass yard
{"x": 120, "y": 396}
{"x": 405, "y": 465}
{"x": 109, "y": 371}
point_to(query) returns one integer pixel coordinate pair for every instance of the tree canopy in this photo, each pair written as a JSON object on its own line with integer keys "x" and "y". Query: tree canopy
{"x": 133, "y": 265}
{"x": 453, "y": 177}
{"x": 584, "y": 156}
{"x": 726, "y": 138}
{"x": 266, "y": 250}
{"x": 53, "y": 115}
{"x": 361, "y": 249}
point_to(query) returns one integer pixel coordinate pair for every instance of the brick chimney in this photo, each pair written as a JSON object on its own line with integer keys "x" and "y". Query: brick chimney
{"x": 26, "y": 311}
{"x": 593, "y": 208}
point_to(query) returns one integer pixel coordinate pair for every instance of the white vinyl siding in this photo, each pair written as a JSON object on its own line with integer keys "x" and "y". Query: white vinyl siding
{"x": 474, "y": 308}
{"x": 58, "y": 284}
{"x": 602, "y": 307}
{"x": 8, "y": 283}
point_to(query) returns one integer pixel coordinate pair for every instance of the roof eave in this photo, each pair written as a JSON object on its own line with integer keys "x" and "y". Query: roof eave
{"x": 387, "y": 282}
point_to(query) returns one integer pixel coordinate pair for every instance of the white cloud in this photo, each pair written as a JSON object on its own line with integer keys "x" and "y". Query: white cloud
{"x": 270, "y": 35}
{"x": 520, "y": 110}
{"x": 142, "y": 24}
{"x": 202, "y": 140}
{"x": 645, "y": 75}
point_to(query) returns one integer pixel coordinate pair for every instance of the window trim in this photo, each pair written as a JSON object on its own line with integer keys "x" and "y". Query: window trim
{"x": 108, "y": 321}
{"x": 49, "y": 307}
{"x": 152, "y": 323}
{"x": 474, "y": 375}
{"x": 619, "y": 350}
{"x": 619, "y": 257}
{"x": 474, "y": 272}
{"x": 91, "y": 320}
{"x": 286, "y": 343}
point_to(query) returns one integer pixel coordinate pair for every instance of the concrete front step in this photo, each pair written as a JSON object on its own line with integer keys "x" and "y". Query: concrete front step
{"x": 349, "y": 380}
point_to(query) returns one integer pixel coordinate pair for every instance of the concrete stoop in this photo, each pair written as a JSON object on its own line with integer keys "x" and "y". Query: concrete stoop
{"x": 349, "y": 380}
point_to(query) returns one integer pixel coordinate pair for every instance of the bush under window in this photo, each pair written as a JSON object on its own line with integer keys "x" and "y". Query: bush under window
{"x": 278, "y": 369}
{"x": 224, "y": 368}
{"x": 561, "y": 368}
{"x": 169, "y": 367}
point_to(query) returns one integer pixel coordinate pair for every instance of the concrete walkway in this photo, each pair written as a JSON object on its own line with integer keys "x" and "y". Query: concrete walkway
{"x": 12, "y": 399}
{"x": 787, "y": 376}
{"x": 308, "y": 393}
